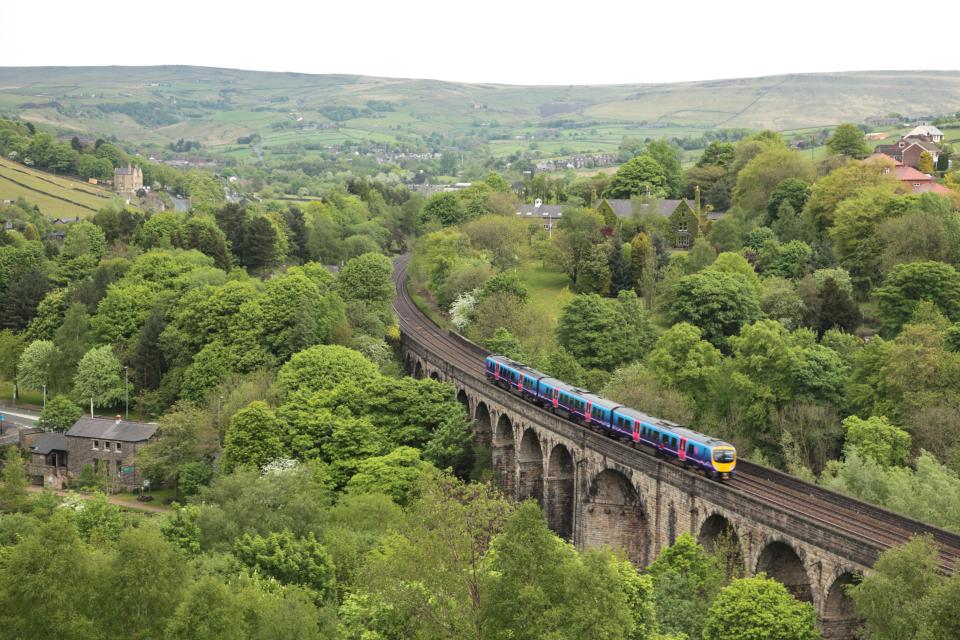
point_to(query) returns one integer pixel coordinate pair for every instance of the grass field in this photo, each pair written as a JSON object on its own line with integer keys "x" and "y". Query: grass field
{"x": 56, "y": 196}
{"x": 215, "y": 106}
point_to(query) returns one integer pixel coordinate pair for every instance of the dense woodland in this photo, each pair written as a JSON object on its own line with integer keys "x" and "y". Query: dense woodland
{"x": 321, "y": 493}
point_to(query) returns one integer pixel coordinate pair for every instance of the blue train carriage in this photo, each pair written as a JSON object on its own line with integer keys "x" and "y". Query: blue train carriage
{"x": 513, "y": 376}
{"x": 562, "y": 398}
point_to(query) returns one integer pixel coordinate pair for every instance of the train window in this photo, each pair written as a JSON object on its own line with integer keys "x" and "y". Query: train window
{"x": 673, "y": 443}
{"x": 665, "y": 439}
{"x": 690, "y": 449}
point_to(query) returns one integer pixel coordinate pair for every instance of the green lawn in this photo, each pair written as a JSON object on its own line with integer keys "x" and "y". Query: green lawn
{"x": 549, "y": 291}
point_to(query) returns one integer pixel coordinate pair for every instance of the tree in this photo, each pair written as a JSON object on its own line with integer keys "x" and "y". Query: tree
{"x": 849, "y": 181}
{"x": 717, "y": 302}
{"x": 98, "y": 378}
{"x": 593, "y": 274}
{"x": 209, "y": 611}
{"x": 835, "y": 308}
{"x": 925, "y": 162}
{"x": 888, "y": 599}
{"x": 429, "y": 580}
{"x": 848, "y": 140}
{"x": 37, "y": 364}
{"x": 793, "y": 191}
{"x": 668, "y": 157}
{"x": 367, "y": 278}
{"x": 909, "y": 283}
{"x": 257, "y": 245}
{"x": 759, "y": 178}
{"x": 33, "y": 602}
{"x": 396, "y": 474}
{"x": 142, "y": 583}
{"x": 541, "y": 587}
{"x": 323, "y": 367}
{"x": 291, "y": 560}
{"x": 253, "y": 438}
{"x": 59, "y": 415}
{"x": 877, "y": 438}
{"x": 639, "y": 176}
{"x": 445, "y": 208}
{"x": 186, "y": 435}
{"x": 685, "y": 581}
{"x": 717, "y": 153}
{"x": 13, "y": 482}
{"x": 751, "y": 608}
{"x": 604, "y": 333}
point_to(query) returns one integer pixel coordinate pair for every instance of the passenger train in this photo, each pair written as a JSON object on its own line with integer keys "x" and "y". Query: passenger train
{"x": 717, "y": 459}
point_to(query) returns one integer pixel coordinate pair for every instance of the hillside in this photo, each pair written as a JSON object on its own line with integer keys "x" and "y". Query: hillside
{"x": 56, "y": 196}
{"x": 159, "y": 105}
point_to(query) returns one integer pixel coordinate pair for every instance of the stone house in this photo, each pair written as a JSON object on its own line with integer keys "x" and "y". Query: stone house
{"x": 128, "y": 180}
{"x": 685, "y": 222}
{"x": 48, "y": 460}
{"x": 108, "y": 446}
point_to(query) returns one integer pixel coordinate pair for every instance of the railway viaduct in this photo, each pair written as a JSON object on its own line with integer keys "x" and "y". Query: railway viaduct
{"x": 596, "y": 491}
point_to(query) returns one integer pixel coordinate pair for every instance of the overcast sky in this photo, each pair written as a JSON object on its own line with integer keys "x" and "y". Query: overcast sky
{"x": 507, "y": 41}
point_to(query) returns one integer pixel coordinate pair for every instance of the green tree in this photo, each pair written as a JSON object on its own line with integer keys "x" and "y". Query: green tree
{"x": 323, "y": 367}
{"x": 847, "y": 182}
{"x": 59, "y": 415}
{"x": 13, "y": 482}
{"x": 33, "y": 601}
{"x": 888, "y": 598}
{"x": 794, "y": 191}
{"x": 685, "y": 581}
{"x": 752, "y": 608}
{"x": 37, "y": 364}
{"x": 639, "y": 176}
{"x": 209, "y": 611}
{"x": 848, "y": 140}
{"x": 759, "y": 178}
{"x": 593, "y": 274}
{"x": 877, "y": 438}
{"x": 604, "y": 333}
{"x": 98, "y": 378}
{"x": 291, "y": 560}
{"x": 397, "y": 474}
{"x": 910, "y": 283}
{"x": 185, "y": 435}
{"x": 367, "y": 278}
{"x": 540, "y": 586}
{"x": 717, "y": 302}
{"x": 142, "y": 583}
{"x": 668, "y": 157}
{"x": 254, "y": 437}
{"x": 445, "y": 208}
{"x": 925, "y": 162}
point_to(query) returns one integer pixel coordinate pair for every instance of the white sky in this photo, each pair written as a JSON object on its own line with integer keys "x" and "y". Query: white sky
{"x": 507, "y": 41}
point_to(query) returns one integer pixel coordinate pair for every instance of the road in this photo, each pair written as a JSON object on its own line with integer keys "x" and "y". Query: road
{"x": 124, "y": 504}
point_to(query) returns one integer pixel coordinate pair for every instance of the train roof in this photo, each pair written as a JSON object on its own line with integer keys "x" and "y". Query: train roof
{"x": 563, "y": 386}
{"x": 513, "y": 364}
{"x": 673, "y": 427}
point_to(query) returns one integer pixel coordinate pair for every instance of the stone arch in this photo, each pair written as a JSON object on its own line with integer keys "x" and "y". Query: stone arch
{"x": 780, "y": 562}
{"x": 418, "y": 370}
{"x": 718, "y": 535}
{"x": 483, "y": 429}
{"x": 612, "y": 514}
{"x": 530, "y": 459}
{"x": 408, "y": 364}
{"x": 464, "y": 399}
{"x": 558, "y": 504}
{"x": 435, "y": 376}
{"x": 839, "y": 621}
{"x": 503, "y": 454}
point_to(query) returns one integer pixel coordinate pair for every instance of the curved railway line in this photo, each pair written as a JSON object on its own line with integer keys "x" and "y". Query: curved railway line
{"x": 843, "y": 514}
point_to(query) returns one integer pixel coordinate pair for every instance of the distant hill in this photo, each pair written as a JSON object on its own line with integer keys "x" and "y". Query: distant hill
{"x": 217, "y": 106}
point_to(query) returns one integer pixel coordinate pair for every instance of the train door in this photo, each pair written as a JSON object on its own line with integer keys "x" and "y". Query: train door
{"x": 682, "y": 450}
{"x": 556, "y": 397}
{"x": 586, "y": 413}
{"x": 636, "y": 431}
{"x": 496, "y": 371}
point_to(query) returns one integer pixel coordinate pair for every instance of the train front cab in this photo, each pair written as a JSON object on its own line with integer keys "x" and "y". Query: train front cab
{"x": 724, "y": 460}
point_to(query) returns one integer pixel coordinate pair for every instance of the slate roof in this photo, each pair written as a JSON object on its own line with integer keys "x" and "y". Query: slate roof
{"x": 50, "y": 442}
{"x": 107, "y": 429}
{"x": 623, "y": 208}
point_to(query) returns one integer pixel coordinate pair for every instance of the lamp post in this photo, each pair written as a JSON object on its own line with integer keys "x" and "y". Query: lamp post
{"x": 44, "y": 396}
{"x": 126, "y": 394}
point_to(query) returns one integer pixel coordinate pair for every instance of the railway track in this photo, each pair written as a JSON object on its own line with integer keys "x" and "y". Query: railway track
{"x": 845, "y": 515}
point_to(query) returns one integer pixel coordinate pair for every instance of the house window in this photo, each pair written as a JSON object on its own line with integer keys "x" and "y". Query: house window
{"x": 96, "y": 445}
{"x": 117, "y": 446}
{"x": 106, "y": 446}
